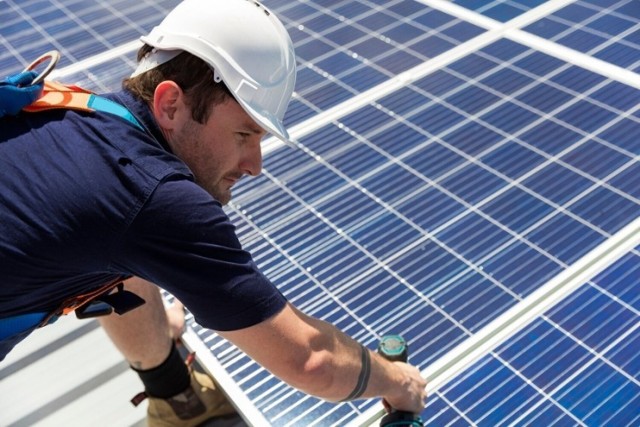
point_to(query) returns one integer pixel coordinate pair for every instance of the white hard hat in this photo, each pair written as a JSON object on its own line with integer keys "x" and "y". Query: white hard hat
{"x": 246, "y": 45}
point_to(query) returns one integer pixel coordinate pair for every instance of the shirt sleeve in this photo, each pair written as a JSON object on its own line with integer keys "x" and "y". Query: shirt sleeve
{"x": 182, "y": 241}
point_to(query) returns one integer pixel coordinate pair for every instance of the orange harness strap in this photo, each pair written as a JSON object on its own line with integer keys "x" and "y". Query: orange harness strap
{"x": 56, "y": 95}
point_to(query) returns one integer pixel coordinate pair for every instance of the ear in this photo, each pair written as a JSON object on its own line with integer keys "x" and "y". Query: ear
{"x": 168, "y": 105}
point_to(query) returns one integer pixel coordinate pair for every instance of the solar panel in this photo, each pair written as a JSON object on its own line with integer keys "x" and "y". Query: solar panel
{"x": 457, "y": 179}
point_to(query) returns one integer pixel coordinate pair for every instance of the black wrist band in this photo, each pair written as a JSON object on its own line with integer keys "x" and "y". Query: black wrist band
{"x": 363, "y": 378}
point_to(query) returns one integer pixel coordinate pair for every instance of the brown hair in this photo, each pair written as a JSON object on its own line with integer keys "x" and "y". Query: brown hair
{"x": 193, "y": 75}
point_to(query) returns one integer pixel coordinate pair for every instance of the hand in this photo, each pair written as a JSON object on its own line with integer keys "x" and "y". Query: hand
{"x": 412, "y": 395}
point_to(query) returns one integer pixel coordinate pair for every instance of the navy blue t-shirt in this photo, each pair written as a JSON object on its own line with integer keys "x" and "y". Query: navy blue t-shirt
{"x": 86, "y": 197}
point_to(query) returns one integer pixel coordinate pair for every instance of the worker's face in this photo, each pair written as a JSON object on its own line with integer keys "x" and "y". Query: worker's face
{"x": 222, "y": 150}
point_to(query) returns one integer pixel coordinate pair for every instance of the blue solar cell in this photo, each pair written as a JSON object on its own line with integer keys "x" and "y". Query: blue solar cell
{"x": 433, "y": 19}
{"x": 611, "y": 25}
{"x": 433, "y": 160}
{"x": 509, "y": 117}
{"x": 406, "y": 8}
{"x": 620, "y": 54}
{"x": 338, "y": 63}
{"x": 538, "y": 63}
{"x": 439, "y": 82}
{"x": 473, "y": 65}
{"x": 544, "y": 97}
{"x": 503, "y": 12}
{"x": 431, "y": 213}
{"x": 617, "y": 95}
{"x": 575, "y": 114}
{"x": 397, "y": 139}
{"x": 521, "y": 268}
{"x": 377, "y": 21}
{"x": 403, "y": 101}
{"x": 352, "y": 10}
{"x": 357, "y": 160}
{"x": 403, "y": 32}
{"x": 322, "y": 23}
{"x": 628, "y": 181}
{"x": 298, "y": 112}
{"x": 593, "y": 318}
{"x": 345, "y": 35}
{"x": 473, "y": 300}
{"x": 326, "y": 139}
{"x": 547, "y": 28}
{"x": 364, "y": 79}
{"x": 507, "y": 81}
{"x": 312, "y": 48}
{"x": 544, "y": 354}
{"x": 623, "y": 134}
{"x": 472, "y": 99}
{"x": 606, "y": 209}
{"x": 550, "y": 137}
{"x": 595, "y": 159}
{"x": 327, "y": 95}
{"x": 398, "y": 61}
{"x": 565, "y": 238}
{"x": 473, "y": 183}
{"x": 435, "y": 118}
{"x": 461, "y": 31}
{"x": 582, "y": 40}
{"x": 575, "y": 12}
{"x": 431, "y": 47}
{"x": 473, "y": 138}
{"x": 371, "y": 47}
{"x": 626, "y": 354}
{"x": 366, "y": 119}
{"x": 517, "y": 209}
{"x": 296, "y": 12}
{"x": 513, "y": 160}
{"x": 385, "y": 235}
{"x": 305, "y": 78}
{"x": 476, "y": 242}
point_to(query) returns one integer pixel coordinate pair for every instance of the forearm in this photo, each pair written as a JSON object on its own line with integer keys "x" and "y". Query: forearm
{"x": 318, "y": 359}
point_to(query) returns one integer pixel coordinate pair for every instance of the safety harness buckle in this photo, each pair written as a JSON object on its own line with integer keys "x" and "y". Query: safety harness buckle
{"x": 120, "y": 302}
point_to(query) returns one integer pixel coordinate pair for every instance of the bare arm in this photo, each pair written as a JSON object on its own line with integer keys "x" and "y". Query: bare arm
{"x": 317, "y": 358}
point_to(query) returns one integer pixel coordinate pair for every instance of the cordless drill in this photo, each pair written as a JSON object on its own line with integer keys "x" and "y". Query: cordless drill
{"x": 395, "y": 349}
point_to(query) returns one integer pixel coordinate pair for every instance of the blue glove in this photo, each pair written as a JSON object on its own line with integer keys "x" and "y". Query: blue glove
{"x": 16, "y": 92}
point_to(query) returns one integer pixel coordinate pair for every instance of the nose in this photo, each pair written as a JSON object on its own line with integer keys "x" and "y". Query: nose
{"x": 252, "y": 160}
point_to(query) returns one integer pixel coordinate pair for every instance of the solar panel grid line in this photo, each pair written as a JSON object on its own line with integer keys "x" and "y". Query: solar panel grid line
{"x": 536, "y": 81}
{"x": 615, "y": 190}
{"x": 597, "y": 355}
{"x": 596, "y": 65}
{"x": 328, "y": 292}
{"x": 476, "y": 16}
{"x": 452, "y": 221}
{"x": 81, "y": 24}
{"x": 511, "y": 31}
{"x": 526, "y": 414}
{"x": 523, "y": 409}
{"x": 37, "y": 27}
{"x": 95, "y": 60}
{"x": 609, "y": 39}
{"x": 428, "y": 236}
{"x": 365, "y": 98}
{"x": 544, "y": 117}
{"x": 498, "y": 388}
{"x": 518, "y": 316}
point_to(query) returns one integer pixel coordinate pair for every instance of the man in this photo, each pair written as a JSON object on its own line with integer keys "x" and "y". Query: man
{"x": 135, "y": 191}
